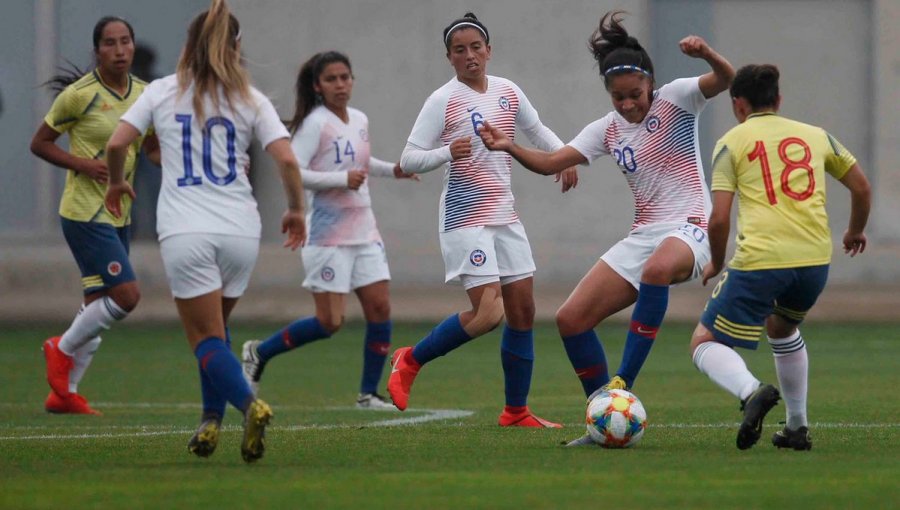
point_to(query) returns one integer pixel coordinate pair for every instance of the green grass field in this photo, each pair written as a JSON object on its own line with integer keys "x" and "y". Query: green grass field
{"x": 323, "y": 453}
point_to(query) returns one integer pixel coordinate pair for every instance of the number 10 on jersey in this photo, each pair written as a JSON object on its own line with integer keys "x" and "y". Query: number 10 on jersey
{"x": 189, "y": 178}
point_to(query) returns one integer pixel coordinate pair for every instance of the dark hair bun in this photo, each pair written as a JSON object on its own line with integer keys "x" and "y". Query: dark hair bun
{"x": 767, "y": 74}
{"x": 469, "y": 15}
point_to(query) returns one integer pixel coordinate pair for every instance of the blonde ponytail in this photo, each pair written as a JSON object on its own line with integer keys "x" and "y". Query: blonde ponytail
{"x": 210, "y": 58}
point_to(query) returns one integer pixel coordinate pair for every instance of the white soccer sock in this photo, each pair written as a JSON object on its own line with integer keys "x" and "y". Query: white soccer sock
{"x": 95, "y": 317}
{"x": 725, "y": 368}
{"x": 792, "y": 367}
{"x": 82, "y": 359}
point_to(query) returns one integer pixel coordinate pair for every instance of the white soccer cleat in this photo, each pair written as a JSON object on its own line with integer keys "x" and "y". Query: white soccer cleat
{"x": 251, "y": 365}
{"x": 374, "y": 401}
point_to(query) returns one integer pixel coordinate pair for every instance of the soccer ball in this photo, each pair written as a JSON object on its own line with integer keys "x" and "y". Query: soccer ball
{"x": 616, "y": 419}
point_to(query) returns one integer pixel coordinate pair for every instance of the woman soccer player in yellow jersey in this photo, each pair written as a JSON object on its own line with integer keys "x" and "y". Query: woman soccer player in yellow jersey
{"x": 88, "y": 108}
{"x": 777, "y": 167}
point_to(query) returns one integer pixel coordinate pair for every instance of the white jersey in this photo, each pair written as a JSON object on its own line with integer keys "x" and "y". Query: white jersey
{"x": 660, "y": 156}
{"x": 324, "y": 143}
{"x": 205, "y": 188}
{"x": 477, "y": 189}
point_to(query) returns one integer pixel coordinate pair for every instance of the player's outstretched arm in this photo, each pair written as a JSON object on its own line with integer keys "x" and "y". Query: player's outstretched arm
{"x": 116, "y": 153}
{"x": 719, "y": 227}
{"x": 717, "y": 81}
{"x": 538, "y": 161}
{"x": 860, "y": 203}
{"x": 292, "y": 222}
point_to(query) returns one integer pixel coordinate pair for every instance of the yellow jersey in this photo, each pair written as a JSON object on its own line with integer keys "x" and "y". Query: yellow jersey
{"x": 777, "y": 167}
{"x": 89, "y": 111}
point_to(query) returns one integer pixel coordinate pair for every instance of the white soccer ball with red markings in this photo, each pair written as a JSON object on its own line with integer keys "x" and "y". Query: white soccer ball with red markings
{"x": 616, "y": 419}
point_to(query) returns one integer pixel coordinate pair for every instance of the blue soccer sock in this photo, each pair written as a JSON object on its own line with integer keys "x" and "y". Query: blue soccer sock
{"x": 445, "y": 337}
{"x": 213, "y": 402}
{"x": 224, "y": 372}
{"x": 517, "y": 357}
{"x": 297, "y": 333}
{"x": 588, "y": 359}
{"x": 375, "y": 351}
{"x": 649, "y": 311}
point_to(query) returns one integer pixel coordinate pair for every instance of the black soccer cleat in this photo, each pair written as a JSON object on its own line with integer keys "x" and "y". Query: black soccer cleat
{"x": 203, "y": 443}
{"x": 797, "y": 439}
{"x": 755, "y": 408}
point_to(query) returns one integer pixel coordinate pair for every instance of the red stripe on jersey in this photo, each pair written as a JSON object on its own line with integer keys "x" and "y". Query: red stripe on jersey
{"x": 664, "y": 175}
{"x": 478, "y": 188}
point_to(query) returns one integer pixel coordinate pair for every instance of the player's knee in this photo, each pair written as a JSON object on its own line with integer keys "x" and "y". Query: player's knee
{"x": 379, "y": 311}
{"x": 486, "y": 317}
{"x": 657, "y": 273}
{"x": 700, "y": 336}
{"x": 521, "y": 317}
{"x": 569, "y": 323}
{"x": 331, "y": 323}
{"x": 126, "y": 296}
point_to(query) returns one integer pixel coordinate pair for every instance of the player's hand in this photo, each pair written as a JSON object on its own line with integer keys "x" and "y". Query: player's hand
{"x": 355, "y": 179}
{"x": 95, "y": 169}
{"x": 494, "y": 139}
{"x": 710, "y": 271}
{"x": 854, "y": 243}
{"x": 461, "y": 148}
{"x": 400, "y": 174}
{"x": 294, "y": 225}
{"x": 569, "y": 178}
{"x": 113, "y": 199}
{"x": 694, "y": 46}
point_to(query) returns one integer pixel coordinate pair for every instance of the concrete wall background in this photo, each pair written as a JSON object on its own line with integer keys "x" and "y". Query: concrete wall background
{"x": 840, "y": 62}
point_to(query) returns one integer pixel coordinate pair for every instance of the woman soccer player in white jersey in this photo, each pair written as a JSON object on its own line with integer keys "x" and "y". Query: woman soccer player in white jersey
{"x": 344, "y": 251}
{"x": 206, "y": 115}
{"x": 652, "y": 134}
{"x": 483, "y": 243}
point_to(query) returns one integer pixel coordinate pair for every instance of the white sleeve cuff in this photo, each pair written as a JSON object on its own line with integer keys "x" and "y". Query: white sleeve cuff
{"x": 380, "y": 168}
{"x": 418, "y": 161}
{"x": 323, "y": 180}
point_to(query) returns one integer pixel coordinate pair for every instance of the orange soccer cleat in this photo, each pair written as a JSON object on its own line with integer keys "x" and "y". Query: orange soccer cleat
{"x": 525, "y": 419}
{"x": 404, "y": 369}
{"x": 72, "y": 404}
{"x": 59, "y": 364}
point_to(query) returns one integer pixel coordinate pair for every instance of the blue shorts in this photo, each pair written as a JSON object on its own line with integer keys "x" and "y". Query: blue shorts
{"x": 742, "y": 300}
{"x": 101, "y": 251}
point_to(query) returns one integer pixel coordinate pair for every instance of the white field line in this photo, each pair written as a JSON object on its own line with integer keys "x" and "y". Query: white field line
{"x": 148, "y": 431}
{"x": 428, "y": 416}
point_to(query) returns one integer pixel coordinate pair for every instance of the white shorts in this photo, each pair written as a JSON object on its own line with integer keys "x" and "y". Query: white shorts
{"x": 490, "y": 253}
{"x": 627, "y": 257}
{"x": 340, "y": 269}
{"x": 197, "y": 264}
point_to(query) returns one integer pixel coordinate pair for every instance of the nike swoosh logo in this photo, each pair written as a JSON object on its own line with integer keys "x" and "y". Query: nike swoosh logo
{"x": 394, "y": 366}
{"x": 471, "y": 109}
{"x": 644, "y": 331}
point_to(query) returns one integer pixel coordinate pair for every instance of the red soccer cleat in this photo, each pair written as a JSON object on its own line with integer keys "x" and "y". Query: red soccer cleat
{"x": 404, "y": 369}
{"x": 525, "y": 419}
{"x": 73, "y": 404}
{"x": 58, "y": 366}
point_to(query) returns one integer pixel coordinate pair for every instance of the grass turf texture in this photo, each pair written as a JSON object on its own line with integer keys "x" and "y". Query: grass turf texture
{"x": 322, "y": 453}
